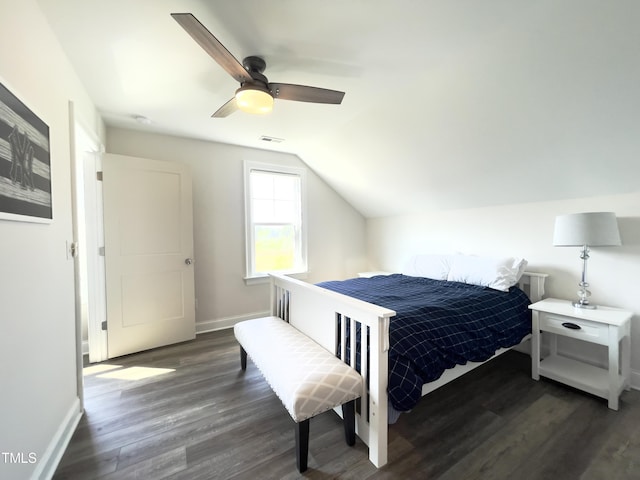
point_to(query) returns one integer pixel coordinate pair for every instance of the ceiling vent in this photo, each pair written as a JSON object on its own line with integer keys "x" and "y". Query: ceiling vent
{"x": 266, "y": 138}
{"x": 142, "y": 120}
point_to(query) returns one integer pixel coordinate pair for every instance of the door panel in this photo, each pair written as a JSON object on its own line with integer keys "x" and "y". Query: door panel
{"x": 148, "y": 237}
{"x": 155, "y": 297}
{"x": 154, "y": 223}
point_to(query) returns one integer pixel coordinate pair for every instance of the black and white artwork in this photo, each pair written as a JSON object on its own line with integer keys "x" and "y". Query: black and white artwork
{"x": 25, "y": 164}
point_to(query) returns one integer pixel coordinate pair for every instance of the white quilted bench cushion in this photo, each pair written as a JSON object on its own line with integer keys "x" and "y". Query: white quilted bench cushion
{"x": 307, "y": 378}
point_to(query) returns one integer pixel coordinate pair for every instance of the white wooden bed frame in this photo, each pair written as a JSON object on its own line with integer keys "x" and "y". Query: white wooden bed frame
{"x": 315, "y": 311}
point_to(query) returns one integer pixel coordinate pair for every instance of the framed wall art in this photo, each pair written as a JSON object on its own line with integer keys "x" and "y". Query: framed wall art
{"x": 25, "y": 162}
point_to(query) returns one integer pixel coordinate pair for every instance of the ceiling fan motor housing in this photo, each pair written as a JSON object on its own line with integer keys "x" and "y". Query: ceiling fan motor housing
{"x": 254, "y": 64}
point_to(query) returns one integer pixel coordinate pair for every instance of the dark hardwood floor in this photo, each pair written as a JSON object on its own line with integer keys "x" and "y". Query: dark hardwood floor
{"x": 207, "y": 419}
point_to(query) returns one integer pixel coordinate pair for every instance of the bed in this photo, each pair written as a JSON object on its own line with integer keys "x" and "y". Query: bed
{"x": 399, "y": 370}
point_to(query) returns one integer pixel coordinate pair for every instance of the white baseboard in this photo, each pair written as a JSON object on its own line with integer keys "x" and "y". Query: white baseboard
{"x": 50, "y": 459}
{"x": 85, "y": 347}
{"x": 227, "y": 322}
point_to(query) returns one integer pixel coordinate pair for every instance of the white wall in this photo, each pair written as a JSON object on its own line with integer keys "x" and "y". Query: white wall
{"x": 39, "y": 399}
{"x": 527, "y": 230}
{"x": 336, "y": 232}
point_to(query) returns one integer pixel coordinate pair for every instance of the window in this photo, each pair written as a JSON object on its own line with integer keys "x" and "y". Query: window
{"x": 276, "y": 237}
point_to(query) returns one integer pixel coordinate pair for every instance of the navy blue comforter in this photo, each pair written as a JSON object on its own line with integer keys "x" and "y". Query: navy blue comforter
{"x": 438, "y": 324}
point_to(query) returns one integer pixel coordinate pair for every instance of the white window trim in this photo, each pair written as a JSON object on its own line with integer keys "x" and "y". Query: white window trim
{"x": 249, "y": 165}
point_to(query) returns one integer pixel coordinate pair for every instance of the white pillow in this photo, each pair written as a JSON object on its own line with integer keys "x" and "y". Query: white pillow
{"x": 429, "y": 266}
{"x": 497, "y": 273}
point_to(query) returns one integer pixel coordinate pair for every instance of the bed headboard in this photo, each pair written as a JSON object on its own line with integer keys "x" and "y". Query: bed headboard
{"x": 533, "y": 285}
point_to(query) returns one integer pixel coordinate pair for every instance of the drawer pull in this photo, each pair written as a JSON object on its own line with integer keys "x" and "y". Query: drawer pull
{"x": 572, "y": 326}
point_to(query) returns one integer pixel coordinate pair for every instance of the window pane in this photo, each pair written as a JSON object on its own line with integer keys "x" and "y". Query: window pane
{"x": 263, "y": 211}
{"x": 274, "y": 185}
{"x": 275, "y": 197}
{"x": 284, "y": 212}
{"x": 261, "y": 185}
{"x": 274, "y": 247}
{"x": 285, "y": 187}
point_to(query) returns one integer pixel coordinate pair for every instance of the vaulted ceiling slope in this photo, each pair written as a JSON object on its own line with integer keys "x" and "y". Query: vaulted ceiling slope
{"x": 449, "y": 104}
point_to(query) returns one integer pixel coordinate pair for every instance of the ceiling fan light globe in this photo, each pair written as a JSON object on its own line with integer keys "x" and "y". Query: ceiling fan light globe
{"x": 254, "y": 100}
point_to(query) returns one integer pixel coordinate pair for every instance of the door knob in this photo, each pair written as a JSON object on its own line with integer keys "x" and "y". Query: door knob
{"x": 188, "y": 261}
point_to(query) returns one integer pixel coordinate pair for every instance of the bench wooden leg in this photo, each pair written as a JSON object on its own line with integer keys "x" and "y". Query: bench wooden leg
{"x": 302, "y": 444}
{"x": 243, "y": 358}
{"x": 349, "y": 416}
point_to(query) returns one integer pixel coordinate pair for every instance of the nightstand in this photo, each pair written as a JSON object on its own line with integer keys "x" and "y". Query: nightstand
{"x": 604, "y": 326}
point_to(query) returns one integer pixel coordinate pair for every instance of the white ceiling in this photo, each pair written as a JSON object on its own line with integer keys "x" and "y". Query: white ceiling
{"x": 449, "y": 103}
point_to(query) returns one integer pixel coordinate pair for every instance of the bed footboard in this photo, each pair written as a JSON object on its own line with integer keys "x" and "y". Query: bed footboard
{"x": 326, "y": 317}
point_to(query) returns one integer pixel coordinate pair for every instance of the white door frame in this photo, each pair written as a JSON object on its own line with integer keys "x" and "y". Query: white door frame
{"x": 86, "y": 150}
{"x": 94, "y": 256}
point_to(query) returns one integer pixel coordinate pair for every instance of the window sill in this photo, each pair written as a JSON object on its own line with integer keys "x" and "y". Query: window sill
{"x": 261, "y": 279}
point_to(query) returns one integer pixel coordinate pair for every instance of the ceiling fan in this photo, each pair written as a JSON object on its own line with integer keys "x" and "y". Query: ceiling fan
{"x": 256, "y": 94}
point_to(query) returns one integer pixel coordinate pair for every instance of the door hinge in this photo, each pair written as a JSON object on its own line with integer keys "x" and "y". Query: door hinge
{"x": 101, "y": 251}
{"x": 104, "y": 325}
{"x": 99, "y": 176}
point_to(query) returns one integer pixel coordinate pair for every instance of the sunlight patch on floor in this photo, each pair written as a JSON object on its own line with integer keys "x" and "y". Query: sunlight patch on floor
{"x": 103, "y": 367}
{"x": 135, "y": 373}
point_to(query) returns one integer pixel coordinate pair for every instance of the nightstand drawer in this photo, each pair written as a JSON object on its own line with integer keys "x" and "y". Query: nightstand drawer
{"x": 586, "y": 330}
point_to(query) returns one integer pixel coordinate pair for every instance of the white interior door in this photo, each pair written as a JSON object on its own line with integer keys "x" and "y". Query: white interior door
{"x": 148, "y": 229}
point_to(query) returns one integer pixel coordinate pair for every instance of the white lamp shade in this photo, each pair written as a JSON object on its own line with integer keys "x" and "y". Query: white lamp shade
{"x": 594, "y": 229}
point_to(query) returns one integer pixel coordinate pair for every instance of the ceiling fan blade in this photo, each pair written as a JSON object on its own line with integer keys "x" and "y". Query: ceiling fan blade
{"x": 212, "y": 46}
{"x": 226, "y": 109}
{"x": 304, "y": 93}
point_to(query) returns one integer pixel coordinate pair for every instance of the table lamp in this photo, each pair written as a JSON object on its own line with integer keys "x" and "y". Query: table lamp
{"x": 592, "y": 229}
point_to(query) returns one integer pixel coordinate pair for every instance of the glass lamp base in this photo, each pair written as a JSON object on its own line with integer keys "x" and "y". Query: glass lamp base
{"x": 588, "y": 306}
{"x": 584, "y": 295}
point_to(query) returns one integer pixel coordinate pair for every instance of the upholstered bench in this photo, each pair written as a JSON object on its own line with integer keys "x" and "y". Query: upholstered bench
{"x": 307, "y": 378}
